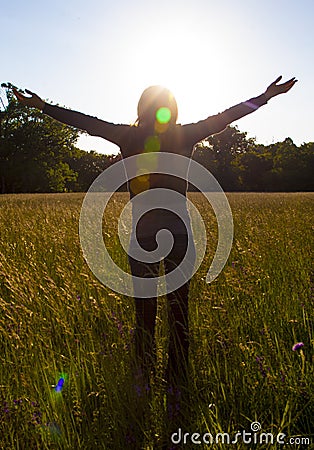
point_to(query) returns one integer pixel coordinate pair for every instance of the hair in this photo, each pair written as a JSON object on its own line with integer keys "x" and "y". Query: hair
{"x": 153, "y": 98}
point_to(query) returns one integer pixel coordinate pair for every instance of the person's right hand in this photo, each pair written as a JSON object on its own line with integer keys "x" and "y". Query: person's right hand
{"x": 33, "y": 101}
{"x": 275, "y": 89}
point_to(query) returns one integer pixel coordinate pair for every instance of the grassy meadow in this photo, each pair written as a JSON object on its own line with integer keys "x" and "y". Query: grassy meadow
{"x": 66, "y": 343}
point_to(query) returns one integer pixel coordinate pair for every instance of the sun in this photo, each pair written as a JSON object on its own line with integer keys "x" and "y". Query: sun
{"x": 193, "y": 62}
{"x": 186, "y": 61}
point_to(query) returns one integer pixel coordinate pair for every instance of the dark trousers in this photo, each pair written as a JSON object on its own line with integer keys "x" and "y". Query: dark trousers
{"x": 177, "y": 302}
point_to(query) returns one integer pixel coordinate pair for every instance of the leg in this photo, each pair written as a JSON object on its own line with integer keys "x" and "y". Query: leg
{"x": 179, "y": 334}
{"x": 178, "y": 312}
{"x": 145, "y": 311}
{"x": 178, "y": 400}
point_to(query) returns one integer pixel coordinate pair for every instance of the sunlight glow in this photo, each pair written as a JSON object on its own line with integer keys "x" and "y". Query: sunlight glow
{"x": 201, "y": 58}
{"x": 181, "y": 65}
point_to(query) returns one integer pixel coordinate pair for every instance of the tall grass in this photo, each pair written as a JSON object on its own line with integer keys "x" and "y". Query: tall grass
{"x": 59, "y": 323}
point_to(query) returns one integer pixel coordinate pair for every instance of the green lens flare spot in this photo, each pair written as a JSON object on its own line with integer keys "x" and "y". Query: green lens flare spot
{"x": 152, "y": 144}
{"x": 163, "y": 115}
{"x": 148, "y": 162}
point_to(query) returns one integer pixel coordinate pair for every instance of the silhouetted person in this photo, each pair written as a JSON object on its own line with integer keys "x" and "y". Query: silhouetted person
{"x": 156, "y": 130}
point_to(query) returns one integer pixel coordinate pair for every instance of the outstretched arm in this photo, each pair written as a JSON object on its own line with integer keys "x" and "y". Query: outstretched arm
{"x": 217, "y": 123}
{"x": 241, "y": 110}
{"x": 96, "y": 127}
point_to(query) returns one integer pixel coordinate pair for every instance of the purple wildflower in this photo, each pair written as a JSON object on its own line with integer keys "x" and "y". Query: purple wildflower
{"x": 118, "y": 323}
{"x": 120, "y": 327}
{"x": 138, "y": 390}
{"x": 174, "y": 402}
{"x": 282, "y": 376}
{"x": 5, "y": 409}
{"x": 130, "y": 438}
{"x": 36, "y": 418}
{"x": 297, "y": 346}
{"x": 259, "y": 360}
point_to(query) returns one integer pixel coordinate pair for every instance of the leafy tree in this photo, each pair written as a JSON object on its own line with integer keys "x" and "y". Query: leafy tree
{"x": 33, "y": 149}
{"x": 239, "y": 163}
{"x": 88, "y": 165}
{"x": 291, "y": 166}
{"x": 306, "y": 155}
{"x": 252, "y": 168}
{"x": 218, "y": 153}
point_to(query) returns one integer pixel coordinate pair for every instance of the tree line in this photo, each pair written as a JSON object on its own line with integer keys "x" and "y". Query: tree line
{"x": 39, "y": 154}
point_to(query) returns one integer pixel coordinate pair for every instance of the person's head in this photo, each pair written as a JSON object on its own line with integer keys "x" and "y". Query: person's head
{"x": 157, "y": 104}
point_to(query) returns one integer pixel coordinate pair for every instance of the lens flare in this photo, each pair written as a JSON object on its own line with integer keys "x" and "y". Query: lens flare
{"x": 54, "y": 430}
{"x": 161, "y": 127}
{"x": 147, "y": 162}
{"x": 59, "y": 386}
{"x": 152, "y": 144}
{"x": 139, "y": 184}
{"x": 163, "y": 115}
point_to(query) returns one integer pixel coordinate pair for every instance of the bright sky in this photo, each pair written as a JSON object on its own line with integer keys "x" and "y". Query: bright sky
{"x": 98, "y": 56}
